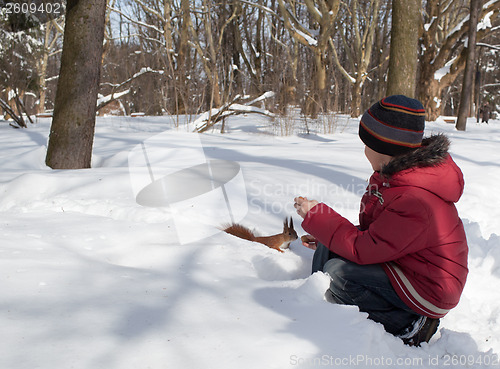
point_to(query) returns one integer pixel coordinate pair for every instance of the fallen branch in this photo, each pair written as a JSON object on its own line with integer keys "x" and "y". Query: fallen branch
{"x": 21, "y": 108}
{"x": 102, "y": 101}
{"x": 105, "y": 100}
{"x": 18, "y": 105}
{"x": 20, "y": 122}
{"x": 210, "y": 118}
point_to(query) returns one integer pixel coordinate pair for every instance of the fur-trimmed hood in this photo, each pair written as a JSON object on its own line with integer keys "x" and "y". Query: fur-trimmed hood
{"x": 429, "y": 167}
{"x": 433, "y": 151}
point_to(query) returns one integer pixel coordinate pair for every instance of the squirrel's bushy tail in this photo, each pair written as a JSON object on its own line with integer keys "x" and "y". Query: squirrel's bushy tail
{"x": 240, "y": 231}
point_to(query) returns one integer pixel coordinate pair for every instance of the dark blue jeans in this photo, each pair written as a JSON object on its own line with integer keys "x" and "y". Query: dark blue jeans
{"x": 366, "y": 286}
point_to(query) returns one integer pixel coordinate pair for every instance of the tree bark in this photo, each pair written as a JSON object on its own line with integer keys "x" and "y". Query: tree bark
{"x": 465, "y": 96}
{"x": 72, "y": 130}
{"x": 404, "y": 46}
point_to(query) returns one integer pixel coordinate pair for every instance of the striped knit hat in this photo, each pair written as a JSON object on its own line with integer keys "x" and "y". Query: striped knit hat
{"x": 393, "y": 126}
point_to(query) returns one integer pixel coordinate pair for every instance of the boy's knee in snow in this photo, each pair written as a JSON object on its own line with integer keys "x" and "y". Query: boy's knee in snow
{"x": 337, "y": 268}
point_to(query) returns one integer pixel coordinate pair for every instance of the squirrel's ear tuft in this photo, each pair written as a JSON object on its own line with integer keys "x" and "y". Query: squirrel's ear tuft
{"x": 291, "y": 223}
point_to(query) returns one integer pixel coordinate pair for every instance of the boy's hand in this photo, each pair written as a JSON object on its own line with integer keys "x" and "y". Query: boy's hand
{"x": 303, "y": 205}
{"x": 309, "y": 241}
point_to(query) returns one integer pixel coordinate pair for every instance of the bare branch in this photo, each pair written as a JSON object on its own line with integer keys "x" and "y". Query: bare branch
{"x": 494, "y": 47}
{"x": 261, "y": 7}
{"x": 150, "y": 10}
{"x": 137, "y": 23}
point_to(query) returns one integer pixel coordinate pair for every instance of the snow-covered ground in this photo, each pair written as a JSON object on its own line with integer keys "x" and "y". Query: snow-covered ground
{"x": 90, "y": 279}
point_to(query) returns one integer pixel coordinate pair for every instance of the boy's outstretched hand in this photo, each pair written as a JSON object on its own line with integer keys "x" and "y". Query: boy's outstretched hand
{"x": 303, "y": 205}
{"x": 309, "y": 241}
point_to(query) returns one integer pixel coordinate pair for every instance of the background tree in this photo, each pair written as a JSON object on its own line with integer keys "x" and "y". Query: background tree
{"x": 465, "y": 97}
{"x": 357, "y": 44}
{"x": 442, "y": 51}
{"x": 315, "y": 37}
{"x": 72, "y": 129}
{"x": 52, "y": 32}
{"x": 488, "y": 70}
{"x": 376, "y": 88}
{"x": 403, "y": 60}
{"x": 19, "y": 51}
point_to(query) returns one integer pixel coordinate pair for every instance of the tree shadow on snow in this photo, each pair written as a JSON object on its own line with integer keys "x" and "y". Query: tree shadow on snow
{"x": 333, "y": 173}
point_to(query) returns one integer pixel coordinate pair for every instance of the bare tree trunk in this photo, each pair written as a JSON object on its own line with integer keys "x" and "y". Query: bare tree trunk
{"x": 216, "y": 99}
{"x": 356, "y": 100}
{"x": 323, "y": 13}
{"x": 404, "y": 46}
{"x": 465, "y": 97}
{"x": 43, "y": 70}
{"x": 72, "y": 130}
{"x": 358, "y": 48}
{"x": 184, "y": 64}
{"x": 382, "y": 38}
{"x": 42, "y": 64}
{"x": 477, "y": 88}
{"x": 259, "y": 51}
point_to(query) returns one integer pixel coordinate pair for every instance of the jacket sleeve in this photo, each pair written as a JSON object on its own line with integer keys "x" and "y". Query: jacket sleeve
{"x": 400, "y": 229}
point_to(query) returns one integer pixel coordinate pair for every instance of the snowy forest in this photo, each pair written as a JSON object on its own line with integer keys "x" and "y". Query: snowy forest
{"x": 184, "y": 57}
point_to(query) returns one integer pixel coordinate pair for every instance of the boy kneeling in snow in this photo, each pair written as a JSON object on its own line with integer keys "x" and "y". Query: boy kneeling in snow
{"x": 406, "y": 263}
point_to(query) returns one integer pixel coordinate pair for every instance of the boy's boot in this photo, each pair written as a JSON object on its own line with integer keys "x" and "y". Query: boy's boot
{"x": 421, "y": 331}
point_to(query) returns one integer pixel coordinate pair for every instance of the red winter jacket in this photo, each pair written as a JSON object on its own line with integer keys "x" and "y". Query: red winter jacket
{"x": 409, "y": 225}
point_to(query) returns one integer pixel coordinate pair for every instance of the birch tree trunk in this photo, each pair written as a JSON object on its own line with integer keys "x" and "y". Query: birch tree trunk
{"x": 72, "y": 130}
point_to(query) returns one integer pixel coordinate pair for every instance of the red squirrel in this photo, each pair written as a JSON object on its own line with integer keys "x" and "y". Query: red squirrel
{"x": 278, "y": 242}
